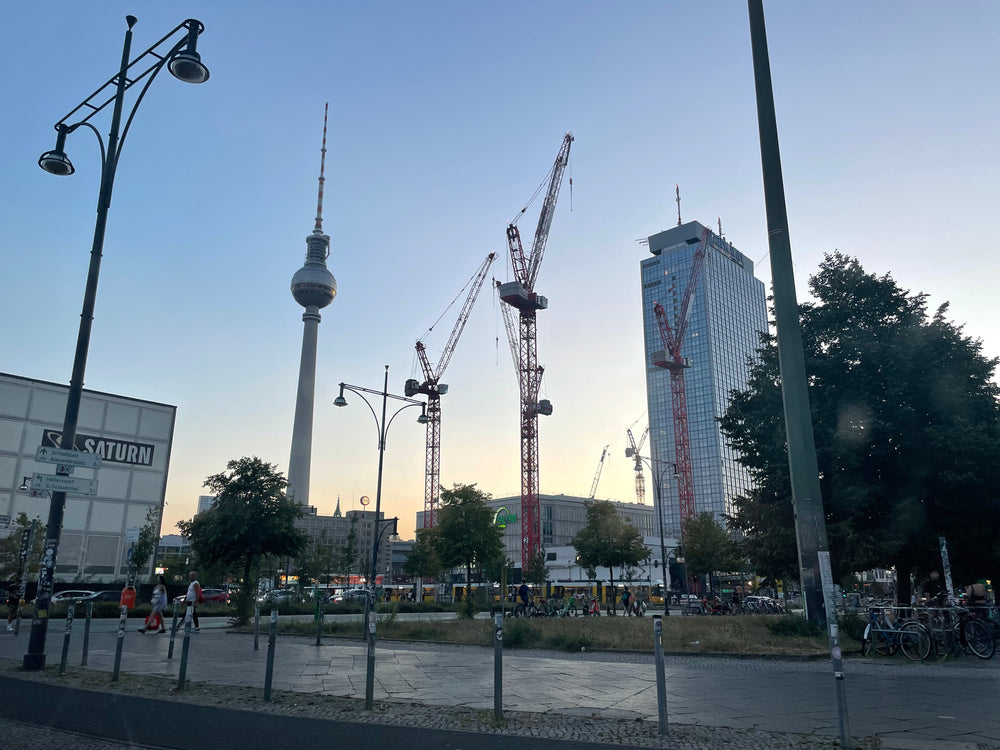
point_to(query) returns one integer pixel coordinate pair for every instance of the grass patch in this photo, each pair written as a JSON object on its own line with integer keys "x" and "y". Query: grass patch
{"x": 795, "y": 627}
{"x": 751, "y": 634}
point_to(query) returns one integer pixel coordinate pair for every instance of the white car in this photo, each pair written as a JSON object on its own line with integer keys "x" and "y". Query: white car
{"x": 65, "y": 597}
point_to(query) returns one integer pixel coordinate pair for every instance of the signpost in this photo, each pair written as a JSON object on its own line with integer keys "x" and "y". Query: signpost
{"x": 57, "y": 483}
{"x": 67, "y": 457}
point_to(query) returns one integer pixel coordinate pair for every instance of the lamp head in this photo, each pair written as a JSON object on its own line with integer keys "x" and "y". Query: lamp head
{"x": 24, "y": 484}
{"x": 186, "y": 65}
{"x": 55, "y": 161}
{"x": 423, "y": 418}
{"x": 340, "y": 400}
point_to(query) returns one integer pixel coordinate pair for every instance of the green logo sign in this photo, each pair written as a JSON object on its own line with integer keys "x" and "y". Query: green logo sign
{"x": 504, "y": 517}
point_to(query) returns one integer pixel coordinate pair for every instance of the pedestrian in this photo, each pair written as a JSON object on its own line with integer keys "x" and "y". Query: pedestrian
{"x": 933, "y": 588}
{"x": 627, "y": 600}
{"x": 523, "y": 593}
{"x": 13, "y": 603}
{"x": 159, "y": 602}
{"x": 193, "y": 598}
{"x": 976, "y": 596}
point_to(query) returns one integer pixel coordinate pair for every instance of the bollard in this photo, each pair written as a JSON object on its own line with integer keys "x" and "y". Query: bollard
{"x": 256, "y": 626}
{"x": 86, "y": 633}
{"x": 185, "y": 647}
{"x": 370, "y": 671}
{"x": 498, "y": 667}
{"x": 319, "y": 619}
{"x": 120, "y": 643}
{"x": 661, "y": 678}
{"x": 173, "y": 631}
{"x": 69, "y": 627}
{"x": 270, "y": 653}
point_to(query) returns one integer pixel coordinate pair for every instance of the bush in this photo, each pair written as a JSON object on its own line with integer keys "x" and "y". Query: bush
{"x": 568, "y": 642}
{"x": 853, "y": 625}
{"x": 795, "y": 627}
{"x": 519, "y": 632}
{"x": 467, "y": 608}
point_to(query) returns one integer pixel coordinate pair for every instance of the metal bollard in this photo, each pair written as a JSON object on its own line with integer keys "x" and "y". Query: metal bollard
{"x": 498, "y": 667}
{"x": 256, "y": 626}
{"x": 661, "y": 678}
{"x": 173, "y": 631}
{"x": 69, "y": 627}
{"x": 319, "y": 619}
{"x": 86, "y": 633}
{"x": 270, "y": 654}
{"x": 185, "y": 647}
{"x": 370, "y": 671}
{"x": 120, "y": 643}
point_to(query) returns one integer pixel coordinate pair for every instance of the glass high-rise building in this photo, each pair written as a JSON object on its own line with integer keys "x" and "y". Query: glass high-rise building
{"x": 728, "y": 310}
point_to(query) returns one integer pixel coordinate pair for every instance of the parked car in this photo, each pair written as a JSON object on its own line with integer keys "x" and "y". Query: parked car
{"x": 105, "y": 596}
{"x": 207, "y": 595}
{"x": 352, "y": 595}
{"x": 65, "y": 597}
{"x": 281, "y": 596}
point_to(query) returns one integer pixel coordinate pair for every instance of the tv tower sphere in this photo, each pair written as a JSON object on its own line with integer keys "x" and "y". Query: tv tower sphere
{"x": 313, "y": 285}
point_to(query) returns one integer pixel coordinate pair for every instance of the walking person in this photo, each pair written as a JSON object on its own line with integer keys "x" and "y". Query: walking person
{"x": 159, "y": 602}
{"x": 13, "y": 603}
{"x": 627, "y": 601}
{"x": 193, "y": 598}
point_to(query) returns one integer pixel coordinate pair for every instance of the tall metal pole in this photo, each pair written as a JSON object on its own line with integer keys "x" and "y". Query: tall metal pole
{"x": 370, "y": 670}
{"x": 810, "y": 524}
{"x": 34, "y": 659}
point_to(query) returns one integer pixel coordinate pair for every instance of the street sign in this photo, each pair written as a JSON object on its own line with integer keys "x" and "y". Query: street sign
{"x": 132, "y": 534}
{"x": 56, "y": 483}
{"x": 67, "y": 457}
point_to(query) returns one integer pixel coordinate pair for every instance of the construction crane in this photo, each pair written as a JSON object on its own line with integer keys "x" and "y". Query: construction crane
{"x": 433, "y": 388}
{"x": 521, "y": 294}
{"x": 597, "y": 476}
{"x": 670, "y": 358}
{"x": 632, "y": 451}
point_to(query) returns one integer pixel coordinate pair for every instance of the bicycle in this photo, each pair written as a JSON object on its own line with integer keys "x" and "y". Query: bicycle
{"x": 884, "y": 637}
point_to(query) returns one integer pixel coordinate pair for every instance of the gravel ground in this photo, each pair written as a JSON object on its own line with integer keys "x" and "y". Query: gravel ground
{"x": 585, "y": 727}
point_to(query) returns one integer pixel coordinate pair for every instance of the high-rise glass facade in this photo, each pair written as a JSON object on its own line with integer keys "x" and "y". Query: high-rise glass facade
{"x": 728, "y": 310}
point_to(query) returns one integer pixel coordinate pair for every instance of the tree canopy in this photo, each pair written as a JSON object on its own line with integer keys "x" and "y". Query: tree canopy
{"x": 907, "y": 426}
{"x": 707, "y": 546}
{"x": 465, "y": 532}
{"x": 608, "y": 540}
{"x": 250, "y": 518}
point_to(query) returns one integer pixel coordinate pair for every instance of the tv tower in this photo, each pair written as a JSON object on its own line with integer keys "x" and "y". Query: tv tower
{"x": 313, "y": 287}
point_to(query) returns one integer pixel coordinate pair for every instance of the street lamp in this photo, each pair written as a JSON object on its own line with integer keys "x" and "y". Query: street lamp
{"x": 664, "y": 465}
{"x": 383, "y": 428}
{"x": 177, "y": 52}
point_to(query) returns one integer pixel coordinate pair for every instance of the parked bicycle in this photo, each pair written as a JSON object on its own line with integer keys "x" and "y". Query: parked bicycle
{"x": 886, "y": 633}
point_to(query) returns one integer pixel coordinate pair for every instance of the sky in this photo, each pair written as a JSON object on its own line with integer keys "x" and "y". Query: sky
{"x": 444, "y": 119}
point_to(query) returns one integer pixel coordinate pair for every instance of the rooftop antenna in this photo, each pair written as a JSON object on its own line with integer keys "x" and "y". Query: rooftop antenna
{"x": 678, "y": 189}
{"x": 318, "y": 229}
{"x": 721, "y": 235}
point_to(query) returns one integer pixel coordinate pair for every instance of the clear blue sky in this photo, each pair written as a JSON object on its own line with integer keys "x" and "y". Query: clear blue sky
{"x": 444, "y": 117}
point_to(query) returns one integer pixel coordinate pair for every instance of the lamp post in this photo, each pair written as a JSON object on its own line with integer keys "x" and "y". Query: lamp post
{"x": 179, "y": 55}
{"x": 659, "y": 517}
{"x": 383, "y": 428}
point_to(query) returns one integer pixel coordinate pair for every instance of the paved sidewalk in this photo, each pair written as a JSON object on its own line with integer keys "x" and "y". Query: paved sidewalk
{"x": 911, "y": 703}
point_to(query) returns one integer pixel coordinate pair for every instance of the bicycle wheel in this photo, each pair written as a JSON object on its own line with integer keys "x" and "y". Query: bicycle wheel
{"x": 914, "y": 641}
{"x": 866, "y": 642}
{"x": 978, "y": 639}
{"x": 885, "y": 643}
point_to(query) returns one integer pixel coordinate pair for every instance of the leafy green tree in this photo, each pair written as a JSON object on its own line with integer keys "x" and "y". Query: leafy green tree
{"x": 608, "y": 540}
{"x": 465, "y": 530}
{"x": 316, "y": 563}
{"x": 250, "y": 518}
{"x": 149, "y": 536}
{"x": 707, "y": 546}
{"x": 10, "y": 550}
{"x": 424, "y": 560}
{"x": 906, "y": 419}
{"x": 537, "y": 571}
{"x": 345, "y": 557}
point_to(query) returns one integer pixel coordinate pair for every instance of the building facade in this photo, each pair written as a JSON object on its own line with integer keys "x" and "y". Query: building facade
{"x": 335, "y": 532}
{"x": 726, "y": 314}
{"x": 133, "y": 438}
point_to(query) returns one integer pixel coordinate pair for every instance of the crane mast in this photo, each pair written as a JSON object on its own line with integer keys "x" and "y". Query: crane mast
{"x": 521, "y": 294}
{"x": 632, "y": 451}
{"x": 434, "y": 389}
{"x": 672, "y": 360}
{"x": 597, "y": 476}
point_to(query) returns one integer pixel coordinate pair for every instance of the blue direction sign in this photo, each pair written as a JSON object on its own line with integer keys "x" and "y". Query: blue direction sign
{"x": 67, "y": 457}
{"x": 56, "y": 483}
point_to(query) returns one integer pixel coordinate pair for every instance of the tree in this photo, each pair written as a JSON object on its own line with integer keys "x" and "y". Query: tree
{"x": 317, "y": 561}
{"x": 906, "y": 420}
{"x": 250, "y": 518}
{"x": 608, "y": 540}
{"x": 707, "y": 546}
{"x": 149, "y": 537}
{"x": 465, "y": 531}
{"x": 537, "y": 571}
{"x": 345, "y": 557}
{"x": 10, "y": 550}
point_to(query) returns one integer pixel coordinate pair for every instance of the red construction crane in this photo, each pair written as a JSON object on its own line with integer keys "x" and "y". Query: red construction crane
{"x": 520, "y": 293}
{"x": 433, "y": 388}
{"x": 632, "y": 451}
{"x": 671, "y": 359}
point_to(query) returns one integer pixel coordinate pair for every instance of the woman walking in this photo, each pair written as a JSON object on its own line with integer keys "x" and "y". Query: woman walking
{"x": 159, "y": 602}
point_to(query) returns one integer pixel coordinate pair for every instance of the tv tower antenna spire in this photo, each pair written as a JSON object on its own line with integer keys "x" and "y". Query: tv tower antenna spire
{"x": 318, "y": 229}
{"x": 678, "y": 190}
